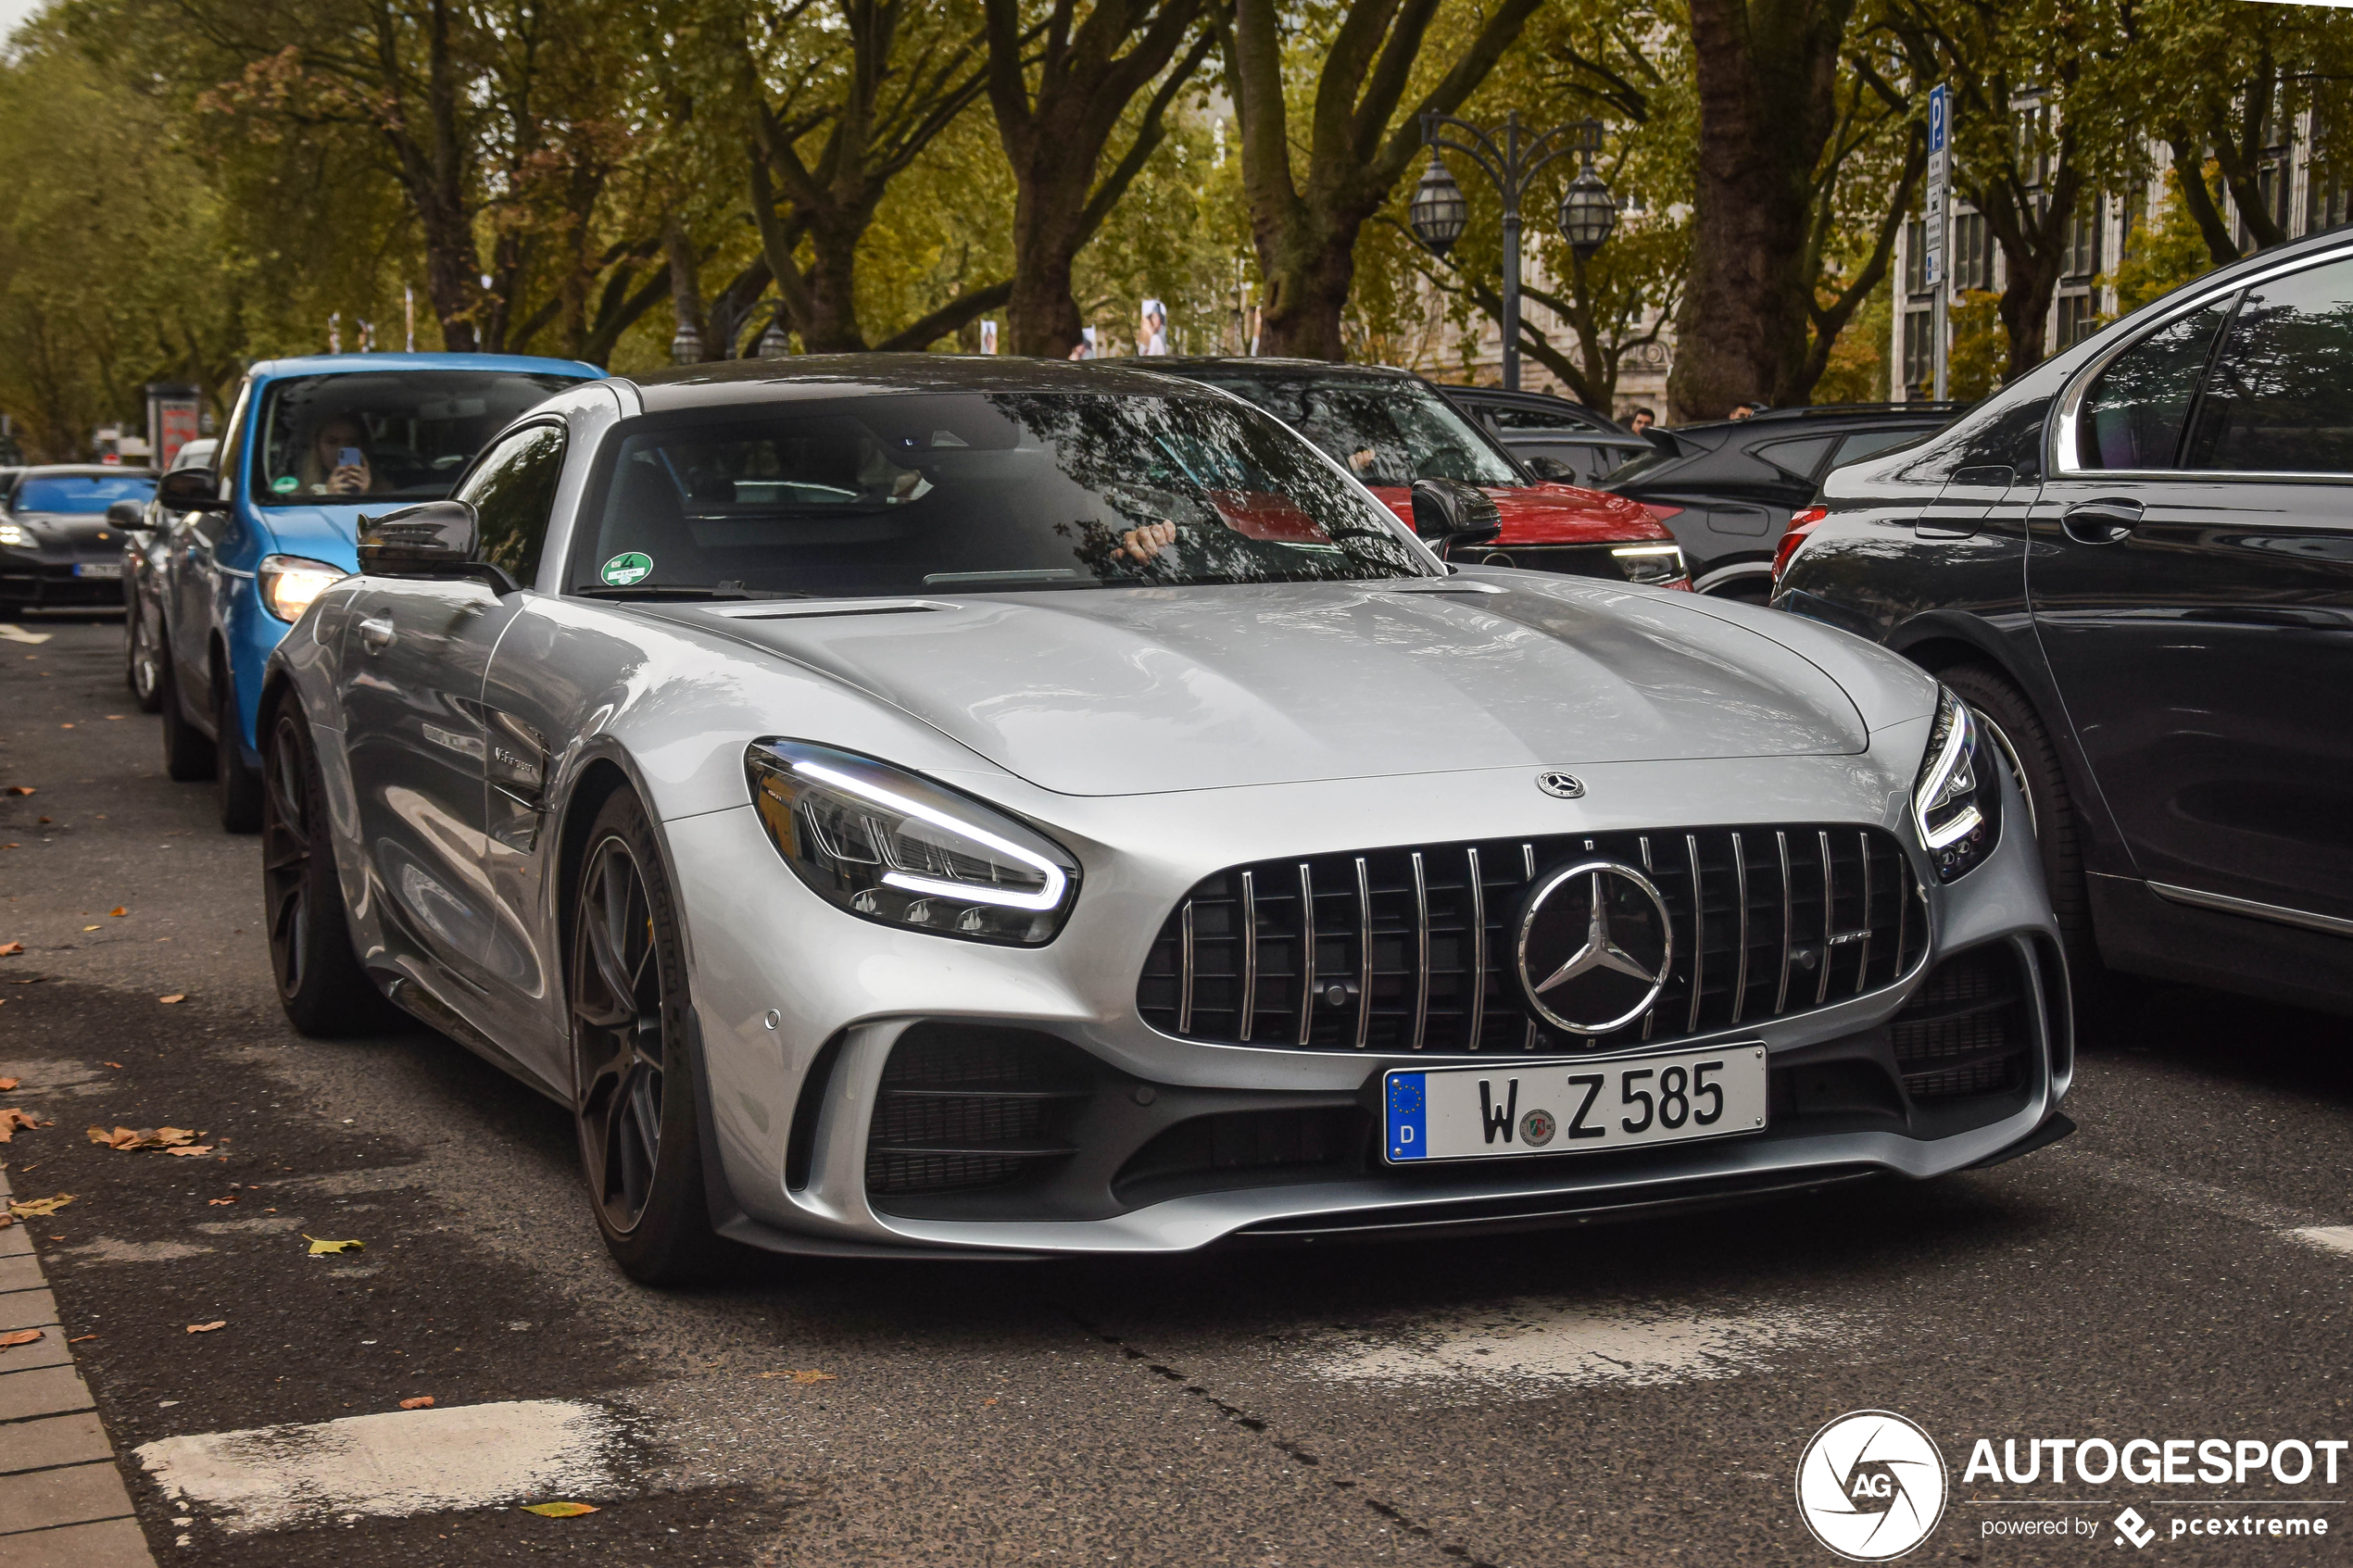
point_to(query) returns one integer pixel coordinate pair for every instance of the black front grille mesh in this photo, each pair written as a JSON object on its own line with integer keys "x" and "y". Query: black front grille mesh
{"x": 1965, "y": 1030}
{"x": 1410, "y": 947}
{"x": 964, "y": 1108}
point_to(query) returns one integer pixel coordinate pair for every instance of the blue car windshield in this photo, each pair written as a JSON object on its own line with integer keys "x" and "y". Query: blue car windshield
{"x": 973, "y": 492}
{"x": 377, "y": 435}
{"x": 81, "y": 494}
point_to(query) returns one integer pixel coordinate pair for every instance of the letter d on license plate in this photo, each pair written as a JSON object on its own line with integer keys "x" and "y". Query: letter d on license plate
{"x": 1573, "y": 1107}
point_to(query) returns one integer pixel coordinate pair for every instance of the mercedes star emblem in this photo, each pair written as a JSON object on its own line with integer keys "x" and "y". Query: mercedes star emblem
{"x": 1560, "y": 785}
{"x": 1594, "y": 947}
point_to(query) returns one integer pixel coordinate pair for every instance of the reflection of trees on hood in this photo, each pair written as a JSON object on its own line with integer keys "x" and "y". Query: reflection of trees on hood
{"x": 1160, "y": 459}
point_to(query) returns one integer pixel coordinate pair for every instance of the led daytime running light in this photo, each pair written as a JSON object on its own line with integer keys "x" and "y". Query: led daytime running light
{"x": 1648, "y": 550}
{"x": 1936, "y": 787}
{"x": 1047, "y": 897}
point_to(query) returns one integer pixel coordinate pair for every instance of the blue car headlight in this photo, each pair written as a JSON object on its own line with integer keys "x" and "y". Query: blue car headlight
{"x": 1956, "y": 803}
{"x": 898, "y": 849}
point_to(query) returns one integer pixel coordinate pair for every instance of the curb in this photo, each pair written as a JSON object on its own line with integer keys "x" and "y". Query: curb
{"x": 62, "y": 1501}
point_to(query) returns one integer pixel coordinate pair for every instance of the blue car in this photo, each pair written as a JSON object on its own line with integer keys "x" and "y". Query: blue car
{"x": 311, "y": 444}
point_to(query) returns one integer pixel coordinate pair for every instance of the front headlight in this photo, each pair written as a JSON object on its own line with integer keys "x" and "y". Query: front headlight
{"x": 1649, "y": 564}
{"x": 898, "y": 849}
{"x": 1957, "y": 804}
{"x": 15, "y": 535}
{"x": 290, "y": 582}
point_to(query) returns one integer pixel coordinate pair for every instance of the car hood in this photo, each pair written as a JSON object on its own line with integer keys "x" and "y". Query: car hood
{"x": 327, "y": 533}
{"x": 1552, "y": 514}
{"x": 81, "y": 532}
{"x": 1129, "y": 691}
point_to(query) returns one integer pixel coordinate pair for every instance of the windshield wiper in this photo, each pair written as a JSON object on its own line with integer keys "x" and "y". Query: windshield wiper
{"x": 689, "y": 593}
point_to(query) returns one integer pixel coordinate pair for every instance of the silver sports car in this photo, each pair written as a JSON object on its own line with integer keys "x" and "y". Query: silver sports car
{"x": 911, "y": 805}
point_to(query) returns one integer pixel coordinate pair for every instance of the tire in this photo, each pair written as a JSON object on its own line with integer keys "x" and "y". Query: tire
{"x": 633, "y": 1071}
{"x": 187, "y": 755}
{"x": 236, "y": 788}
{"x": 320, "y": 984}
{"x": 2026, "y": 748}
{"x": 141, "y": 662}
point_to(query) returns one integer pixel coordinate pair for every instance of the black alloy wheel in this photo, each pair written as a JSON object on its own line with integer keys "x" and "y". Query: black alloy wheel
{"x": 321, "y": 983}
{"x": 640, "y": 1135}
{"x": 140, "y": 672}
{"x": 187, "y": 755}
{"x": 237, "y": 787}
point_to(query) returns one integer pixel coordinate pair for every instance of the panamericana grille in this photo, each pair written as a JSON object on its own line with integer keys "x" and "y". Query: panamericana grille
{"x": 1412, "y": 946}
{"x": 1965, "y": 1030}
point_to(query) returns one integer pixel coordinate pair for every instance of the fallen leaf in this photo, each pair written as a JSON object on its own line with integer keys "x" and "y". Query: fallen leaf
{"x": 39, "y": 1207}
{"x": 802, "y": 1376}
{"x": 20, "y": 789}
{"x": 217, "y": 1202}
{"x": 321, "y": 1248}
{"x": 191, "y": 1148}
{"x": 110, "y": 1064}
{"x": 6, "y": 1219}
{"x": 119, "y": 911}
{"x": 207, "y": 1327}
{"x": 10, "y": 949}
{"x": 22, "y": 1336}
{"x": 84, "y": 1340}
{"x": 558, "y": 1509}
{"x": 129, "y": 1138}
{"x": 421, "y": 1403}
{"x": 7, "y": 1084}
{"x": 11, "y": 1119}
{"x": 175, "y": 996}
{"x": 985, "y": 1403}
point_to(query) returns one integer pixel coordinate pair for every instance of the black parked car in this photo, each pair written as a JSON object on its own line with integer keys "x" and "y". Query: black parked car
{"x": 1554, "y": 437}
{"x": 56, "y": 545}
{"x": 2136, "y": 565}
{"x": 1728, "y": 488}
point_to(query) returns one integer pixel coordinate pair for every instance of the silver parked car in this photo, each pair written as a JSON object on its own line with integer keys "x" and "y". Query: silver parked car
{"x": 911, "y": 805}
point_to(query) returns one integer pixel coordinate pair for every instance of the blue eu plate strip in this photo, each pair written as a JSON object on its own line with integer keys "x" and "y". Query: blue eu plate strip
{"x": 1408, "y": 1108}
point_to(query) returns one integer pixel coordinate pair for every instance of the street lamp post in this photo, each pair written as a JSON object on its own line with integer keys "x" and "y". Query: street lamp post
{"x": 1439, "y": 212}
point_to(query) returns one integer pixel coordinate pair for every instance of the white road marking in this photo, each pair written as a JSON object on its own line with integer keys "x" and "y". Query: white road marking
{"x": 15, "y": 634}
{"x": 2332, "y": 1238}
{"x": 106, "y": 1250}
{"x": 1533, "y": 1347}
{"x": 390, "y": 1465}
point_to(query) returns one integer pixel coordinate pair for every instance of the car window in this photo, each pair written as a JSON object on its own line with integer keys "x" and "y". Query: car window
{"x": 81, "y": 494}
{"x": 378, "y": 435}
{"x": 967, "y": 493}
{"x": 512, "y": 492}
{"x": 1797, "y": 458}
{"x": 1870, "y": 443}
{"x": 1390, "y": 432}
{"x": 1513, "y": 416}
{"x": 2279, "y": 399}
{"x": 2132, "y": 414}
{"x": 235, "y": 443}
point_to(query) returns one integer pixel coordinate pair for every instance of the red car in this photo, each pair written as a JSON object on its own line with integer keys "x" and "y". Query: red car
{"x": 1392, "y": 428}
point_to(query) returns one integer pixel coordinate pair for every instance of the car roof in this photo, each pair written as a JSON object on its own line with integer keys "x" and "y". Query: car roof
{"x": 49, "y": 471}
{"x": 342, "y": 363}
{"x": 1818, "y": 414}
{"x": 799, "y": 378}
{"x": 1208, "y": 366}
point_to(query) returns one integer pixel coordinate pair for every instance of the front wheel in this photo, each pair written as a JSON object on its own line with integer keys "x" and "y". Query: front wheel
{"x": 633, "y": 1076}
{"x": 140, "y": 672}
{"x": 321, "y": 984}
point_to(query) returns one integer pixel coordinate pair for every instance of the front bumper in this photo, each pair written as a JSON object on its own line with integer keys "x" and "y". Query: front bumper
{"x": 1168, "y": 1144}
{"x": 52, "y": 578}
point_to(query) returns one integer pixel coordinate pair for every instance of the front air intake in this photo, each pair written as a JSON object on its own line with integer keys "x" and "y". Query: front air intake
{"x": 963, "y": 1107}
{"x": 1965, "y": 1031}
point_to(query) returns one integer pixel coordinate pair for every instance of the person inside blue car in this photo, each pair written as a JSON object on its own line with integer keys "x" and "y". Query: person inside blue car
{"x": 326, "y": 468}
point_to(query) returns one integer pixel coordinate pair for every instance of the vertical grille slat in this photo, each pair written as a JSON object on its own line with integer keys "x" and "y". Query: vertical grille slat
{"x": 1427, "y": 931}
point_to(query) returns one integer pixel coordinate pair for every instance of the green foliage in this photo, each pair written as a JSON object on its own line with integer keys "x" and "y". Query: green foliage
{"x": 2161, "y": 257}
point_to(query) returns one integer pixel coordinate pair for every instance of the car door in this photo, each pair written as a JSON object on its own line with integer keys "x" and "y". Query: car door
{"x": 192, "y": 568}
{"x": 2192, "y": 582}
{"x": 415, "y": 652}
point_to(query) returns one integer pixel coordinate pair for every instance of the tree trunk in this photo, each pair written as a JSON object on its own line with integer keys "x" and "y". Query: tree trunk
{"x": 1766, "y": 77}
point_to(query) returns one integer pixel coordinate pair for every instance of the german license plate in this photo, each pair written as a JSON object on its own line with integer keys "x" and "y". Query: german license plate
{"x": 1572, "y": 1107}
{"x": 109, "y": 570}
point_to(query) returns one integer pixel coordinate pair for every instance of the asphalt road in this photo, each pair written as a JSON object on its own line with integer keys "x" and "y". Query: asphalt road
{"x": 1636, "y": 1394}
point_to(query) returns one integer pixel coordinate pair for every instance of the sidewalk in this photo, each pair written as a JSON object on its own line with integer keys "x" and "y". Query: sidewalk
{"x": 62, "y": 1499}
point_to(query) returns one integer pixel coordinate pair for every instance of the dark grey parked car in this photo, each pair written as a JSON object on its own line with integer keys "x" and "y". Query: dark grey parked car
{"x": 1554, "y": 436}
{"x": 1728, "y": 489}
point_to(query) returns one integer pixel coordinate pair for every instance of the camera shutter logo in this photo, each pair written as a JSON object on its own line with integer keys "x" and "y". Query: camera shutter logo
{"x": 1870, "y": 1486}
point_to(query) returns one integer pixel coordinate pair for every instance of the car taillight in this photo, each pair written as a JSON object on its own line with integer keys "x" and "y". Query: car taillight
{"x": 1800, "y": 525}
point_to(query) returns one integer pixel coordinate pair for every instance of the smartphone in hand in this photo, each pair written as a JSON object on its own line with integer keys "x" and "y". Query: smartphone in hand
{"x": 350, "y": 458}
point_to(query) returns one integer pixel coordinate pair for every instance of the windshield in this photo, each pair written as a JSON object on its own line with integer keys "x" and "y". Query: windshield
{"x": 403, "y": 435}
{"x": 965, "y": 493}
{"x": 81, "y": 493}
{"x": 1389, "y": 433}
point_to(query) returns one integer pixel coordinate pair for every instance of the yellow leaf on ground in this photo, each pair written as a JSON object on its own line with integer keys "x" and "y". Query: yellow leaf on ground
{"x": 421, "y": 1403}
{"x": 321, "y": 1248}
{"x": 812, "y": 1377}
{"x": 217, "y": 1202}
{"x": 558, "y": 1509}
{"x": 89, "y": 928}
{"x": 22, "y": 1336}
{"x": 11, "y": 1119}
{"x": 119, "y": 911}
{"x": 207, "y": 1327}
{"x": 10, "y": 949}
{"x": 7, "y": 1084}
{"x": 31, "y": 1207}
{"x": 175, "y": 996}
{"x": 191, "y": 1148}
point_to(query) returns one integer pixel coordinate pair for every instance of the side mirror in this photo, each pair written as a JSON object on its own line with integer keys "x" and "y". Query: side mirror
{"x": 1552, "y": 469}
{"x": 190, "y": 490}
{"x": 129, "y": 516}
{"x": 1448, "y": 513}
{"x": 438, "y": 539}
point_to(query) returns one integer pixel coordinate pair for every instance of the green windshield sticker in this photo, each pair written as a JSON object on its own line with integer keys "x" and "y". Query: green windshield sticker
{"x": 631, "y": 565}
{"x": 285, "y": 483}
